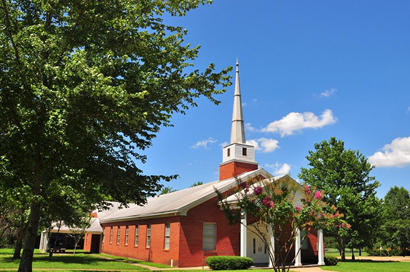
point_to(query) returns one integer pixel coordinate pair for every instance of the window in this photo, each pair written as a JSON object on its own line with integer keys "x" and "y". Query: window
{"x": 118, "y": 234}
{"x": 228, "y": 152}
{"x": 111, "y": 230}
{"x": 126, "y": 235}
{"x": 243, "y": 151}
{"x": 167, "y": 235}
{"x": 209, "y": 236}
{"x": 254, "y": 246}
{"x": 136, "y": 235}
{"x": 148, "y": 235}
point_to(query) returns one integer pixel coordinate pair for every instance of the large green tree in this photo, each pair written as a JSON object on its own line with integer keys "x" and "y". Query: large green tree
{"x": 396, "y": 227}
{"x": 344, "y": 175}
{"x": 84, "y": 88}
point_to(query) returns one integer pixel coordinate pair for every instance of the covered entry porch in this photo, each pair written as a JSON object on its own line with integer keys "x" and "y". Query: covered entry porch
{"x": 251, "y": 245}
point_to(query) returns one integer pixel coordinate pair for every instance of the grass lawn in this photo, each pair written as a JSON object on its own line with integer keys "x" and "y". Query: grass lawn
{"x": 369, "y": 266}
{"x": 66, "y": 261}
{"x": 333, "y": 252}
{"x": 157, "y": 265}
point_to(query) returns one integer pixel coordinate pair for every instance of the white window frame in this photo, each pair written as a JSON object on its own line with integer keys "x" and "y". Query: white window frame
{"x": 205, "y": 236}
{"x": 118, "y": 234}
{"x": 167, "y": 236}
{"x": 111, "y": 234}
{"x": 148, "y": 236}
{"x": 127, "y": 230}
{"x": 136, "y": 235}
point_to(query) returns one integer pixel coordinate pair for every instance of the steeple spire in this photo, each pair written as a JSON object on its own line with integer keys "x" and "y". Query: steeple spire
{"x": 237, "y": 156}
{"x": 237, "y": 131}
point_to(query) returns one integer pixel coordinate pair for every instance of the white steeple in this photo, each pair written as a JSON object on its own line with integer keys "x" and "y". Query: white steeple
{"x": 237, "y": 150}
{"x": 237, "y": 131}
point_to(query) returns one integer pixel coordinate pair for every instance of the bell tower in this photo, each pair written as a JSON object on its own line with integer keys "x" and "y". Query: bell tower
{"x": 237, "y": 157}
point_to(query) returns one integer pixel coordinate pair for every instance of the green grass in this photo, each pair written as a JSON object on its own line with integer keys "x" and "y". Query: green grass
{"x": 369, "y": 266}
{"x": 65, "y": 261}
{"x": 157, "y": 265}
{"x": 333, "y": 252}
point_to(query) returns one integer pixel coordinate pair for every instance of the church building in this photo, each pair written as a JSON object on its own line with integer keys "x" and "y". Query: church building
{"x": 183, "y": 228}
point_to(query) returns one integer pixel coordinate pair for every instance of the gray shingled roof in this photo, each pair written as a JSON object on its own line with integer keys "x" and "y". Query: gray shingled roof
{"x": 95, "y": 227}
{"x": 179, "y": 202}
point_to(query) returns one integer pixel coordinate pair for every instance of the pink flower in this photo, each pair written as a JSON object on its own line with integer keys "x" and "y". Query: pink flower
{"x": 243, "y": 185}
{"x": 298, "y": 209}
{"x": 267, "y": 202}
{"x": 307, "y": 189}
{"x": 343, "y": 225}
{"x": 257, "y": 190}
{"x": 337, "y": 226}
{"x": 317, "y": 195}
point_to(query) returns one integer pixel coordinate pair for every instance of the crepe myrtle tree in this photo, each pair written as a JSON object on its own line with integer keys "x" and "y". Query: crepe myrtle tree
{"x": 275, "y": 208}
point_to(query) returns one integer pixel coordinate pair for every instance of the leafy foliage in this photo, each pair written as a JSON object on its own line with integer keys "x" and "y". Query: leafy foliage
{"x": 330, "y": 260}
{"x": 166, "y": 190}
{"x": 395, "y": 231}
{"x": 84, "y": 88}
{"x": 344, "y": 175}
{"x": 228, "y": 262}
{"x": 197, "y": 183}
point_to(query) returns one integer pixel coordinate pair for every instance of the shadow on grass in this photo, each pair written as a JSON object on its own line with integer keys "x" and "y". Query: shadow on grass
{"x": 67, "y": 259}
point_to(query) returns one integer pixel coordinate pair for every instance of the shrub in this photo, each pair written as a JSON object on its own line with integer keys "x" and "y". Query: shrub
{"x": 330, "y": 261}
{"x": 228, "y": 262}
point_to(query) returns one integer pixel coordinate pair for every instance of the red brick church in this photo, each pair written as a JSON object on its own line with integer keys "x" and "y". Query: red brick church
{"x": 184, "y": 227}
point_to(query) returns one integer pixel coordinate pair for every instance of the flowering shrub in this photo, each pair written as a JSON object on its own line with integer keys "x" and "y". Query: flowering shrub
{"x": 280, "y": 206}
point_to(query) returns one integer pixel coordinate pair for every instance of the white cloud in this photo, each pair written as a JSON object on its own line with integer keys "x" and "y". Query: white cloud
{"x": 204, "y": 143}
{"x": 295, "y": 121}
{"x": 222, "y": 145}
{"x": 279, "y": 169}
{"x": 249, "y": 127}
{"x": 395, "y": 154}
{"x": 265, "y": 144}
{"x": 255, "y": 143}
{"x": 329, "y": 92}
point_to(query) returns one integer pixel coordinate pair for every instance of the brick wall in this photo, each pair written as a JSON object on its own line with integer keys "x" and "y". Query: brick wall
{"x": 191, "y": 253}
{"x": 87, "y": 242}
{"x": 156, "y": 252}
{"x": 232, "y": 169}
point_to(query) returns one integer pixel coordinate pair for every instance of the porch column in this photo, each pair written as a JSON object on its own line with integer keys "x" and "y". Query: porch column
{"x": 298, "y": 250}
{"x": 320, "y": 253}
{"x": 243, "y": 234}
{"x": 271, "y": 246}
{"x": 43, "y": 241}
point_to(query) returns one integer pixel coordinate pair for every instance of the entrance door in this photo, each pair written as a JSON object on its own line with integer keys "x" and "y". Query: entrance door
{"x": 95, "y": 243}
{"x": 256, "y": 249}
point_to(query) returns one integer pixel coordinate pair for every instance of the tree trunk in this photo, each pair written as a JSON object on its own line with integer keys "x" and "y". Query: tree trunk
{"x": 19, "y": 242}
{"x": 30, "y": 238}
{"x": 360, "y": 251}
{"x": 341, "y": 245}
{"x": 353, "y": 257}
{"x": 18, "y": 245}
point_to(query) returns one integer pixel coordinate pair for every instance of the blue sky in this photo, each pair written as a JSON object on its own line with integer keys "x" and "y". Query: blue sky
{"x": 309, "y": 70}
